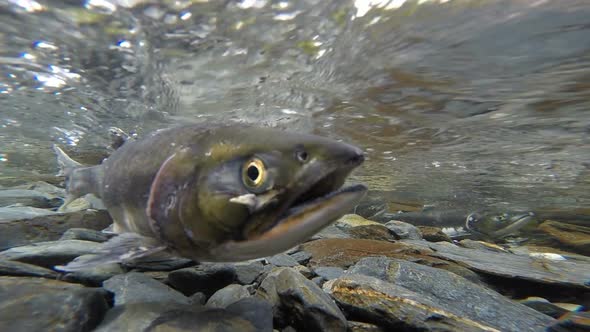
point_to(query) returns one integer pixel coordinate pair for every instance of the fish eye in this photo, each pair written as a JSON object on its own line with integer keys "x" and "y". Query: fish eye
{"x": 253, "y": 173}
{"x": 301, "y": 155}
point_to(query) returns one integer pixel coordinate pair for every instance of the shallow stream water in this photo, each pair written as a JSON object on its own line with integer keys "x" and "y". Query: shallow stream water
{"x": 466, "y": 104}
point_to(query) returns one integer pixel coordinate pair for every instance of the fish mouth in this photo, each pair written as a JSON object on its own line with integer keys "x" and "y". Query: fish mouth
{"x": 314, "y": 207}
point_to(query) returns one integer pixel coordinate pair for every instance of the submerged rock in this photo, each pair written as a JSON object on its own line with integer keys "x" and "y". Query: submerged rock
{"x": 227, "y": 295}
{"x": 282, "y": 260}
{"x": 328, "y": 272}
{"x": 403, "y": 230}
{"x": 136, "y": 287}
{"x": 256, "y": 310}
{"x": 248, "y": 272}
{"x": 455, "y": 294}
{"x": 206, "y": 278}
{"x": 354, "y": 220}
{"x": 544, "y": 306}
{"x": 201, "y": 320}
{"x": 9, "y": 213}
{"x": 544, "y": 271}
{"x": 15, "y": 268}
{"x": 49, "y": 228}
{"x": 137, "y": 316}
{"x": 159, "y": 262}
{"x": 346, "y": 252}
{"x": 49, "y": 254}
{"x": 38, "y": 304}
{"x": 299, "y": 302}
{"x": 573, "y": 321}
{"x": 31, "y": 198}
{"x": 393, "y": 307}
{"x": 371, "y": 232}
{"x": 434, "y": 234}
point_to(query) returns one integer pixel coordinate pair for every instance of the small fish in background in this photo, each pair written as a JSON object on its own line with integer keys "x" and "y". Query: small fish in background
{"x": 216, "y": 193}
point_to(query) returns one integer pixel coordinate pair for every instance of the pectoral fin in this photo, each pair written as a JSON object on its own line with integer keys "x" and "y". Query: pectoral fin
{"x": 122, "y": 248}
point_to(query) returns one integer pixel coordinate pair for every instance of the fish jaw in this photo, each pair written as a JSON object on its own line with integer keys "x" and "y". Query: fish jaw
{"x": 298, "y": 225}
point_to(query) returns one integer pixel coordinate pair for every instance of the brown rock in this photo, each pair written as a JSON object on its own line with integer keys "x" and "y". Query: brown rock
{"x": 371, "y": 232}
{"x": 346, "y": 252}
{"x": 434, "y": 234}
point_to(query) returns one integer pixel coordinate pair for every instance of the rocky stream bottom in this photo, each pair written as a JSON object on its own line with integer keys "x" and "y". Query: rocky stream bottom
{"x": 355, "y": 275}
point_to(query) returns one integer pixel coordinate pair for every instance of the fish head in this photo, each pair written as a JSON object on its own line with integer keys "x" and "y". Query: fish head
{"x": 498, "y": 225}
{"x": 255, "y": 192}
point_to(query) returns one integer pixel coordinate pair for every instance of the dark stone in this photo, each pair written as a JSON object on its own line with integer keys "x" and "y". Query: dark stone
{"x": 282, "y": 260}
{"x": 137, "y": 316}
{"x": 136, "y": 287}
{"x": 394, "y": 308}
{"x": 403, "y": 230}
{"x": 328, "y": 272}
{"x": 49, "y": 254}
{"x": 94, "y": 276}
{"x": 200, "y": 320}
{"x": 84, "y": 234}
{"x": 300, "y": 302}
{"x": 206, "y": 278}
{"x": 49, "y": 228}
{"x": 256, "y": 310}
{"x": 302, "y": 257}
{"x": 227, "y": 295}
{"x": 38, "y": 304}
{"x": 159, "y": 262}
{"x": 248, "y": 272}
{"x": 15, "y": 268}
{"x": 434, "y": 234}
{"x": 454, "y": 293}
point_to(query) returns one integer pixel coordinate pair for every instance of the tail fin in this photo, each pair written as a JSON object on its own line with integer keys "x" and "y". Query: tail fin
{"x": 79, "y": 179}
{"x": 66, "y": 164}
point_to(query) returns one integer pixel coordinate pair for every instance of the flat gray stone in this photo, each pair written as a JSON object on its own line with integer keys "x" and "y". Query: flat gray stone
{"x": 49, "y": 254}
{"x": 455, "y": 294}
{"x": 545, "y": 271}
{"x": 136, "y": 287}
{"x": 281, "y": 260}
{"x": 403, "y": 230}
{"x": 15, "y": 268}
{"x": 302, "y": 257}
{"x": 27, "y": 197}
{"x": 328, "y": 272}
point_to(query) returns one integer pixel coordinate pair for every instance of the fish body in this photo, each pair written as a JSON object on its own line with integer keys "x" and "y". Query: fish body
{"x": 217, "y": 193}
{"x": 461, "y": 223}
